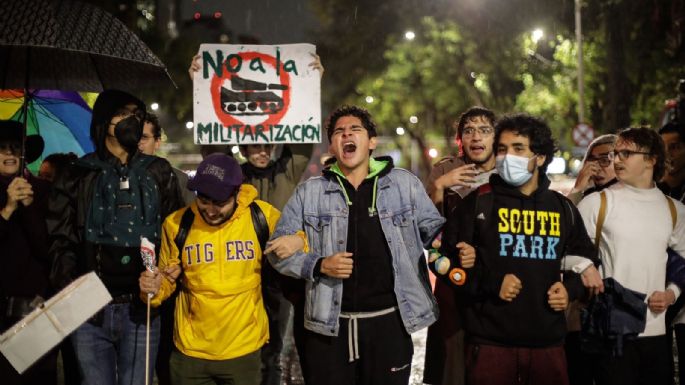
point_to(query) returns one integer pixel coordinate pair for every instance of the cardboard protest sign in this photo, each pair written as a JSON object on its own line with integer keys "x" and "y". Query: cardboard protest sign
{"x": 247, "y": 94}
{"x": 45, "y": 327}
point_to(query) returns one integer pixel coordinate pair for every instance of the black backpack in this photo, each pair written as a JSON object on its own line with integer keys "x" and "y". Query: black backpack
{"x": 261, "y": 227}
{"x": 125, "y": 204}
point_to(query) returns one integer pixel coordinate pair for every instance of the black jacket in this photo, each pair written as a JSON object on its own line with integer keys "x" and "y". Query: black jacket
{"x": 70, "y": 199}
{"x": 508, "y": 242}
{"x": 24, "y": 239}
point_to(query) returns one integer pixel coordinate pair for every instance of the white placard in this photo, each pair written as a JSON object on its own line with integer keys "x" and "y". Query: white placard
{"x": 246, "y": 94}
{"x": 45, "y": 327}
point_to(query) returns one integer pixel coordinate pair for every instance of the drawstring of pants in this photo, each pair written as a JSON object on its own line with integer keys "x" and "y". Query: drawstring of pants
{"x": 353, "y": 327}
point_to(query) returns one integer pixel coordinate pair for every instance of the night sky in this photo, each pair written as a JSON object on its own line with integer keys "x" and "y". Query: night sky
{"x": 271, "y": 21}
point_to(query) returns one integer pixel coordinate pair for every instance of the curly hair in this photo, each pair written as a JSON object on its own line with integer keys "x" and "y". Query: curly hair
{"x": 156, "y": 127}
{"x": 648, "y": 141}
{"x": 470, "y": 114}
{"x": 355, "y": 111}
{"x": 535, "y": 129}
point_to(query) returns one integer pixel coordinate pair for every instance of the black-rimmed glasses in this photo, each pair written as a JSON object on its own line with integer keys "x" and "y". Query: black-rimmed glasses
{"x": 624, "y": 154}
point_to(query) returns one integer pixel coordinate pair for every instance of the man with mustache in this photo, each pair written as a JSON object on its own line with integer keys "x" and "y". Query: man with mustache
{"x": 451, "y": 179}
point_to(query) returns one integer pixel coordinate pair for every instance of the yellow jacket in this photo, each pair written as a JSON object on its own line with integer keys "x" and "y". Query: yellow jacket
{"x": 219, "y": 311}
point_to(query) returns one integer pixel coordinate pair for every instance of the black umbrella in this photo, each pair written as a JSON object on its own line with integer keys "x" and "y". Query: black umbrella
{"x": 70, "y": 45}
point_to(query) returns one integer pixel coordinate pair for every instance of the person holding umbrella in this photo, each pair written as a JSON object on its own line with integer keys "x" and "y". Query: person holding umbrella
{"x": 24, "y": 282}
{"x": 98, "y": 212}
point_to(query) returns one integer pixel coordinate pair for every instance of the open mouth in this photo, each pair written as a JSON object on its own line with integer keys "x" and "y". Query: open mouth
{"x": 477, "y": 149}
{"x": 349, "y": 148}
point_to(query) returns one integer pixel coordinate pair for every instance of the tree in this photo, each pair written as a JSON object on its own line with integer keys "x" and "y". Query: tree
{"x": 435, "y": 77}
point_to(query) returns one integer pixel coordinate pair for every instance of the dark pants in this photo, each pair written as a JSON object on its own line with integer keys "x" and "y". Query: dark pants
{"x": 644, "y": 361}
{"x": 385, "y": 354}
{"x": 279, "y": 311}
{"x": 582, "y": 366}
{"x": 489, "y": 364}
{"x": 166, "y": 340}
{"x": 680, "y": 345}
{"x": 186, "y": 370}
{"x": 69, "y": 363}
{"x": 444, "y": 363}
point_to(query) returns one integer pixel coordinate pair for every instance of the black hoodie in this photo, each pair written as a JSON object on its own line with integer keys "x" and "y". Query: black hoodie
{"x": 509, "y": 242}
{"x": 371, "y": 286}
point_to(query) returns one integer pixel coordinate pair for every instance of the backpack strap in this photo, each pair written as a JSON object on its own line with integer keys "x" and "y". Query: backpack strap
{"x": 600, "y": 217}
{"x": 674, "y": 212}
{"x": 183, "y": 230}
{"x": 261, "y": 226}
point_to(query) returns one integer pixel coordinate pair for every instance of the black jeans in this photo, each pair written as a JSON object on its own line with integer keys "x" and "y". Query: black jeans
{"x": 582, "y": 366}
{"x": 645, "y": 361}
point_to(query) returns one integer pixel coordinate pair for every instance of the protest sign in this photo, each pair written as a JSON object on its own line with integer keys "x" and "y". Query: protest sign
{"x": 245, "y": 94}
{"x": 46, "y": 326}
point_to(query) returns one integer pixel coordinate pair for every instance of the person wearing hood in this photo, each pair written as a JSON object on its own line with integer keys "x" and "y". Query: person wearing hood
{"x": 24, "y": 284}
{"x": 275, "y": 178}
{"x": 511, "y": 238}
{"x": 366, "y": 223}
{"x": 221, "y": 323}
{"x": 98, "y": 211}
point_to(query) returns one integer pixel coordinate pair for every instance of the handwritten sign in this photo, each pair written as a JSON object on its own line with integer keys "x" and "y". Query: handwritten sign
{"x": 246, "y": 94}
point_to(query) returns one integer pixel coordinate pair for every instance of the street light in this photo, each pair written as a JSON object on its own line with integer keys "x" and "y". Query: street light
{"x": 369, "y": 99}
{"x": 189, "y": 125}
{"x": 537, "y": 35}
{"x": 399, "y": 131}
{"x": 433, "y": 153}
{"x": 154, "y": 106}
{"x": 413, "y": 119}
{"x": 409, "y": 35}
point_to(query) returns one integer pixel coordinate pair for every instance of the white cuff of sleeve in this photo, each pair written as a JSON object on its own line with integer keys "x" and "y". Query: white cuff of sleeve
{"x": 675, "y": 289}
{"x": 578, "y": 264}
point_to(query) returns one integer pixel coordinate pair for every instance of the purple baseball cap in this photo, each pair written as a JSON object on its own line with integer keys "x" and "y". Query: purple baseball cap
{"x": 217, "y": 177}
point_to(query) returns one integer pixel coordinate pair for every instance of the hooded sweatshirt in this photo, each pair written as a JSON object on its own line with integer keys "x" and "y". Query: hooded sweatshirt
{"x": 73, "y": 195}
{"x": 276, "y": 182}
{"x": 219, "y": 312}
{"x": 522, "y": 235}
{"x": 371, "y": 285}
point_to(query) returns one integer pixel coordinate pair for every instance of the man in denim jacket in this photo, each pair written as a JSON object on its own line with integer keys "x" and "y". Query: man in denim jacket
{"x": 367, "y": 286}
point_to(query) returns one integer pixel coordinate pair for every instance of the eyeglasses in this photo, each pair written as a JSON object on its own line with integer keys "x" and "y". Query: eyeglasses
{"x": 12, "y": 147}
{"x": 483, "y": 130}
{"x": 624, "y": 154}
{"x": 603, "y": 161}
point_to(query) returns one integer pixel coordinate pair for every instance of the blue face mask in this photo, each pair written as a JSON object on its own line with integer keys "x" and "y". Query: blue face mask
{"x": 513, "y": 169}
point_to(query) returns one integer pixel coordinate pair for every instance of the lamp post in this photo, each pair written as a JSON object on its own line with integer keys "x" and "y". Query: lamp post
{"x": 579, "y": 43}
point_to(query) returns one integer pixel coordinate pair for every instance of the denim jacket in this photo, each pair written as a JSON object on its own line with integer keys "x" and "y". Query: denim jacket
{"x": 409, "y": 221}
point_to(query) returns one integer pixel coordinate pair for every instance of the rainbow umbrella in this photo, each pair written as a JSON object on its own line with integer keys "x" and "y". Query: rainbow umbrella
{"x": 62, "y": 118}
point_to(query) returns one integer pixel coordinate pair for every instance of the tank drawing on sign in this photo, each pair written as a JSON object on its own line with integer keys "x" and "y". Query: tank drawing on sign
{"x": 248, "y": 97}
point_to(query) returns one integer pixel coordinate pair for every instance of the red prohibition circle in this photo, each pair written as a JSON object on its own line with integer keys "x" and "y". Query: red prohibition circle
{"x": 215, "y": 89}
